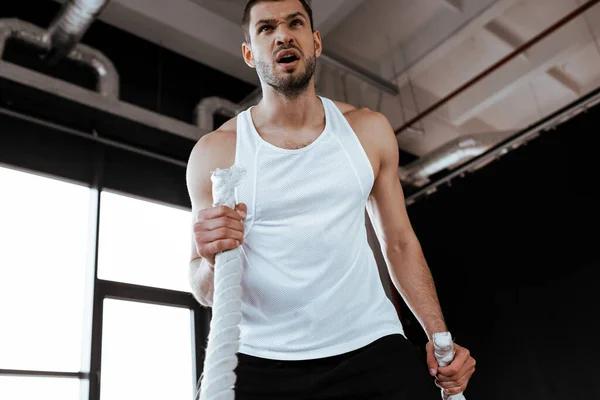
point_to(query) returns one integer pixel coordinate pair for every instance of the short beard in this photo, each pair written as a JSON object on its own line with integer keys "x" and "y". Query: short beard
{"x": 290, "y": 85}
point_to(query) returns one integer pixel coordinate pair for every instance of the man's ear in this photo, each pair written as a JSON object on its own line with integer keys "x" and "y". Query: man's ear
{"x": 248, "y": 56}
{"x": 318, "y": 43}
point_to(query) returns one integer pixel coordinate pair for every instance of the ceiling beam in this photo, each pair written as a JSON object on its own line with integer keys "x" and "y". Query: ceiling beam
{"x": 565, "y": 80}
{"x": 505, "y": 35}
{"x": 329, "y": 14}
{"x": 453, "y": 5}
{"x": 205, "y": 36}
{"x": 186, "y": 28}
{"x": 446, "y": 31}
{"x": 510, "y": 39}
{"x": 540, "y": 58}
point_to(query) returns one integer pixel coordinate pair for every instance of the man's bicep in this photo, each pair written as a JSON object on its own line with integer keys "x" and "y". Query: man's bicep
{"x": 199, "y": 184}
{"x": 214, "y": 150}
{"x": 386, "y": 205}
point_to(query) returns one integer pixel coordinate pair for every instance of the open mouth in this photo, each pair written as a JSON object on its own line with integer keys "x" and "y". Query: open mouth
{"x": 288, "y": 59}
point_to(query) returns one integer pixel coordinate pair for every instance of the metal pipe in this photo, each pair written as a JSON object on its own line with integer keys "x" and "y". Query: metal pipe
{"x": 108, "y": 77}
{"x": 44, "y": 374}
{"x": 452, "y": 153}
{"x": 511, "y": 143}
{"x": 94, "y": 137}
{"x": 108, "y": 109}
{"x": 69, "y": 26}
{"x": 205, "y": 111}
{"x": 524, "y": 47}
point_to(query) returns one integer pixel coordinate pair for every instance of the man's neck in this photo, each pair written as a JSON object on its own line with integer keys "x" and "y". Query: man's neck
{"x": 293, "y": 114}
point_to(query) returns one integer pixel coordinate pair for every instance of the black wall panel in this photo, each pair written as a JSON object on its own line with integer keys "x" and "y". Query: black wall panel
{"x": 513, "y": 249}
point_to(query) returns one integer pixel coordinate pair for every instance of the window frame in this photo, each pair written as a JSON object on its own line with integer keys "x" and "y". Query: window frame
{"x": 97, "y": 289}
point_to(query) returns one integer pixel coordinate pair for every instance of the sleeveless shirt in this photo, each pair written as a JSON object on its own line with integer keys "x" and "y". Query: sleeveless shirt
{"x": 310, "y": 282}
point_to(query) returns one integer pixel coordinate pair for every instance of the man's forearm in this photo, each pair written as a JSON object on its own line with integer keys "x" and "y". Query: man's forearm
{"x": 412, "y": 278}
{"x": 202, "y": 281}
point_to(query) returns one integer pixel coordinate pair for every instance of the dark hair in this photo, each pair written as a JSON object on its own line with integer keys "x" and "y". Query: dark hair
{"x": 252, "y": 3}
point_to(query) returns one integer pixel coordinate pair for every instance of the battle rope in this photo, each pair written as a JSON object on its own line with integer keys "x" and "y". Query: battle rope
{"x": 443, "y": 348}
{"x": 218, "y": 379}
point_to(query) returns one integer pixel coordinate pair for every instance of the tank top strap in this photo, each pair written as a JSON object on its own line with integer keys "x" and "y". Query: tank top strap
{"x": 246, "y": 153}
{"x": 347, "y": 138}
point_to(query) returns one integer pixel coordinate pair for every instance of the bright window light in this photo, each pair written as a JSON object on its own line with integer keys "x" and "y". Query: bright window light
{"x": 34, "y": 388}
{"x": 146, "y": 352}
{"x": 43, "y": 240}
{"x": 144, "y": 243}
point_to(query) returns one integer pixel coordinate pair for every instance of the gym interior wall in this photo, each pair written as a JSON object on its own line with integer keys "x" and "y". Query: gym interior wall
{"x": 513, "y": 249}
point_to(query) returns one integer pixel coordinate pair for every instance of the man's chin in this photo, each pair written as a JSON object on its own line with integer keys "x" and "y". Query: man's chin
{"x": 288, "y": 70}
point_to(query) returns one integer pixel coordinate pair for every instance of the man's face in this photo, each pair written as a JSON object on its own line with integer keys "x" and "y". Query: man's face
{"x": 283, "y": 47}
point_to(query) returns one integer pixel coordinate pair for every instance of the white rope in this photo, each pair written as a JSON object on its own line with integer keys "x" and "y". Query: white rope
{"x": 443, "y": 348}
{"x": 218, "y": 379}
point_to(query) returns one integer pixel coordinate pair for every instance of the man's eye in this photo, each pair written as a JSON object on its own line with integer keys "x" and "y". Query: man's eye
{"x": 296, "y": 22}
{"x": 263, "y": 28}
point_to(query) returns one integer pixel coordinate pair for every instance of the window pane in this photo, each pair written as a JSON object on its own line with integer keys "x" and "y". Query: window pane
{"x": 144, "y": 243}
{"x": 146, "y": 352}
{"x": 35, "y": 388}
{"x": 43, "y": 239}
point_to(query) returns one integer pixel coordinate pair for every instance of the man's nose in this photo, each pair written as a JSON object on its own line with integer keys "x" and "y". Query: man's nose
{"x": 284, "y": 37}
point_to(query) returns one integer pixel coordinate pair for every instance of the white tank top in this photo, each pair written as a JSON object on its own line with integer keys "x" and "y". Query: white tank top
{"x": 310, "y": 285}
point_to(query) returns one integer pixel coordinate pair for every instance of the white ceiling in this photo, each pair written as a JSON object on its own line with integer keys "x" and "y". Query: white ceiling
{"x": 427, "y": 47}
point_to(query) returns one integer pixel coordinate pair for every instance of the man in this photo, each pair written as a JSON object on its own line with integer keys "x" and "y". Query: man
{"x": 316, "y": 323}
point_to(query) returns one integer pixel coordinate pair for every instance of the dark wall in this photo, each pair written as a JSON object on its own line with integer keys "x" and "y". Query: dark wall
{"x": 513, "y": 250}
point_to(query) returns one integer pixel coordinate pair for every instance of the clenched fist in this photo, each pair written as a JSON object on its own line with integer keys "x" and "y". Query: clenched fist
{"x": 219, "y": 229}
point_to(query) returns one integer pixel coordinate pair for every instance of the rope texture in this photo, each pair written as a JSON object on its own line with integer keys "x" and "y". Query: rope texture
{"x": 218, "y": 379}
{"x": 443, "y": 348}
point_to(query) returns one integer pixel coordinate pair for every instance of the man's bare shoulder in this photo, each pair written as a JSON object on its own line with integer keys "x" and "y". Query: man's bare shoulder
{"x": 218, "y": 146}
{"x": 345, "y": 108}
{"x": 363, "y": 119}
{"x": 228, "y": 127}
{"x": 359, "y": 115}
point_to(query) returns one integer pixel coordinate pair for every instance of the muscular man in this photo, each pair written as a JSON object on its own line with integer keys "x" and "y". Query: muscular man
{"x": 316, "y": 322}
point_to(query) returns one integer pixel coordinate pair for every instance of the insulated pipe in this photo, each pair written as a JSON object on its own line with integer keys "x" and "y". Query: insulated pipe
{"x": 205, "y": 111}
{"x": 524, "y": 47}
{"x": 69, "y": 26}
{"x": 452, "y": 153}
{"x": 108, "y": 77}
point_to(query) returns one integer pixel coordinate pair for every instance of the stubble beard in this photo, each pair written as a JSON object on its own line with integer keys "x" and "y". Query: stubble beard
{"x": 289, "y": 84}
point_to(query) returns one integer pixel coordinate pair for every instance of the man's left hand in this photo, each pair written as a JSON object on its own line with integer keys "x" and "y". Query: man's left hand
{"x": 455, "y": 376}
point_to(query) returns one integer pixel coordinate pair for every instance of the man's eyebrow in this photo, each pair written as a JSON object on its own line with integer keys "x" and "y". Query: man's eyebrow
{"x": 272, "y": 20}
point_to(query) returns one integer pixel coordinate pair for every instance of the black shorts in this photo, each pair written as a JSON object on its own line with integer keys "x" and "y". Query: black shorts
{"x": 390, "y": 368}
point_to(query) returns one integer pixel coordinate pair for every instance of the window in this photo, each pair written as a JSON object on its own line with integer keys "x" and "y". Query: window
{"x": 44, "y": 244}
{"x": 143, "y": 243}
{"x": 146, "y": 352}
{"x": 34, "y": 388}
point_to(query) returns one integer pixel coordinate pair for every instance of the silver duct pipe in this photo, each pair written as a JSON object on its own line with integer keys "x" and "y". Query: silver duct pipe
{"x": 451, "y": 154}
{"x": 70, "y": 24}
{"x": 108, "y": 77}
{"x": 205, "y": 112}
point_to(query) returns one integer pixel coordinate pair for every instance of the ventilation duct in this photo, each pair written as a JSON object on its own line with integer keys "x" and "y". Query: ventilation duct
{"x": 449, "y": 155}
{"x": 208, "y": 107}
{"x": 70, "y": 24}
{"x": 204, "y": 114}
{"x": 108, "y": 78}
